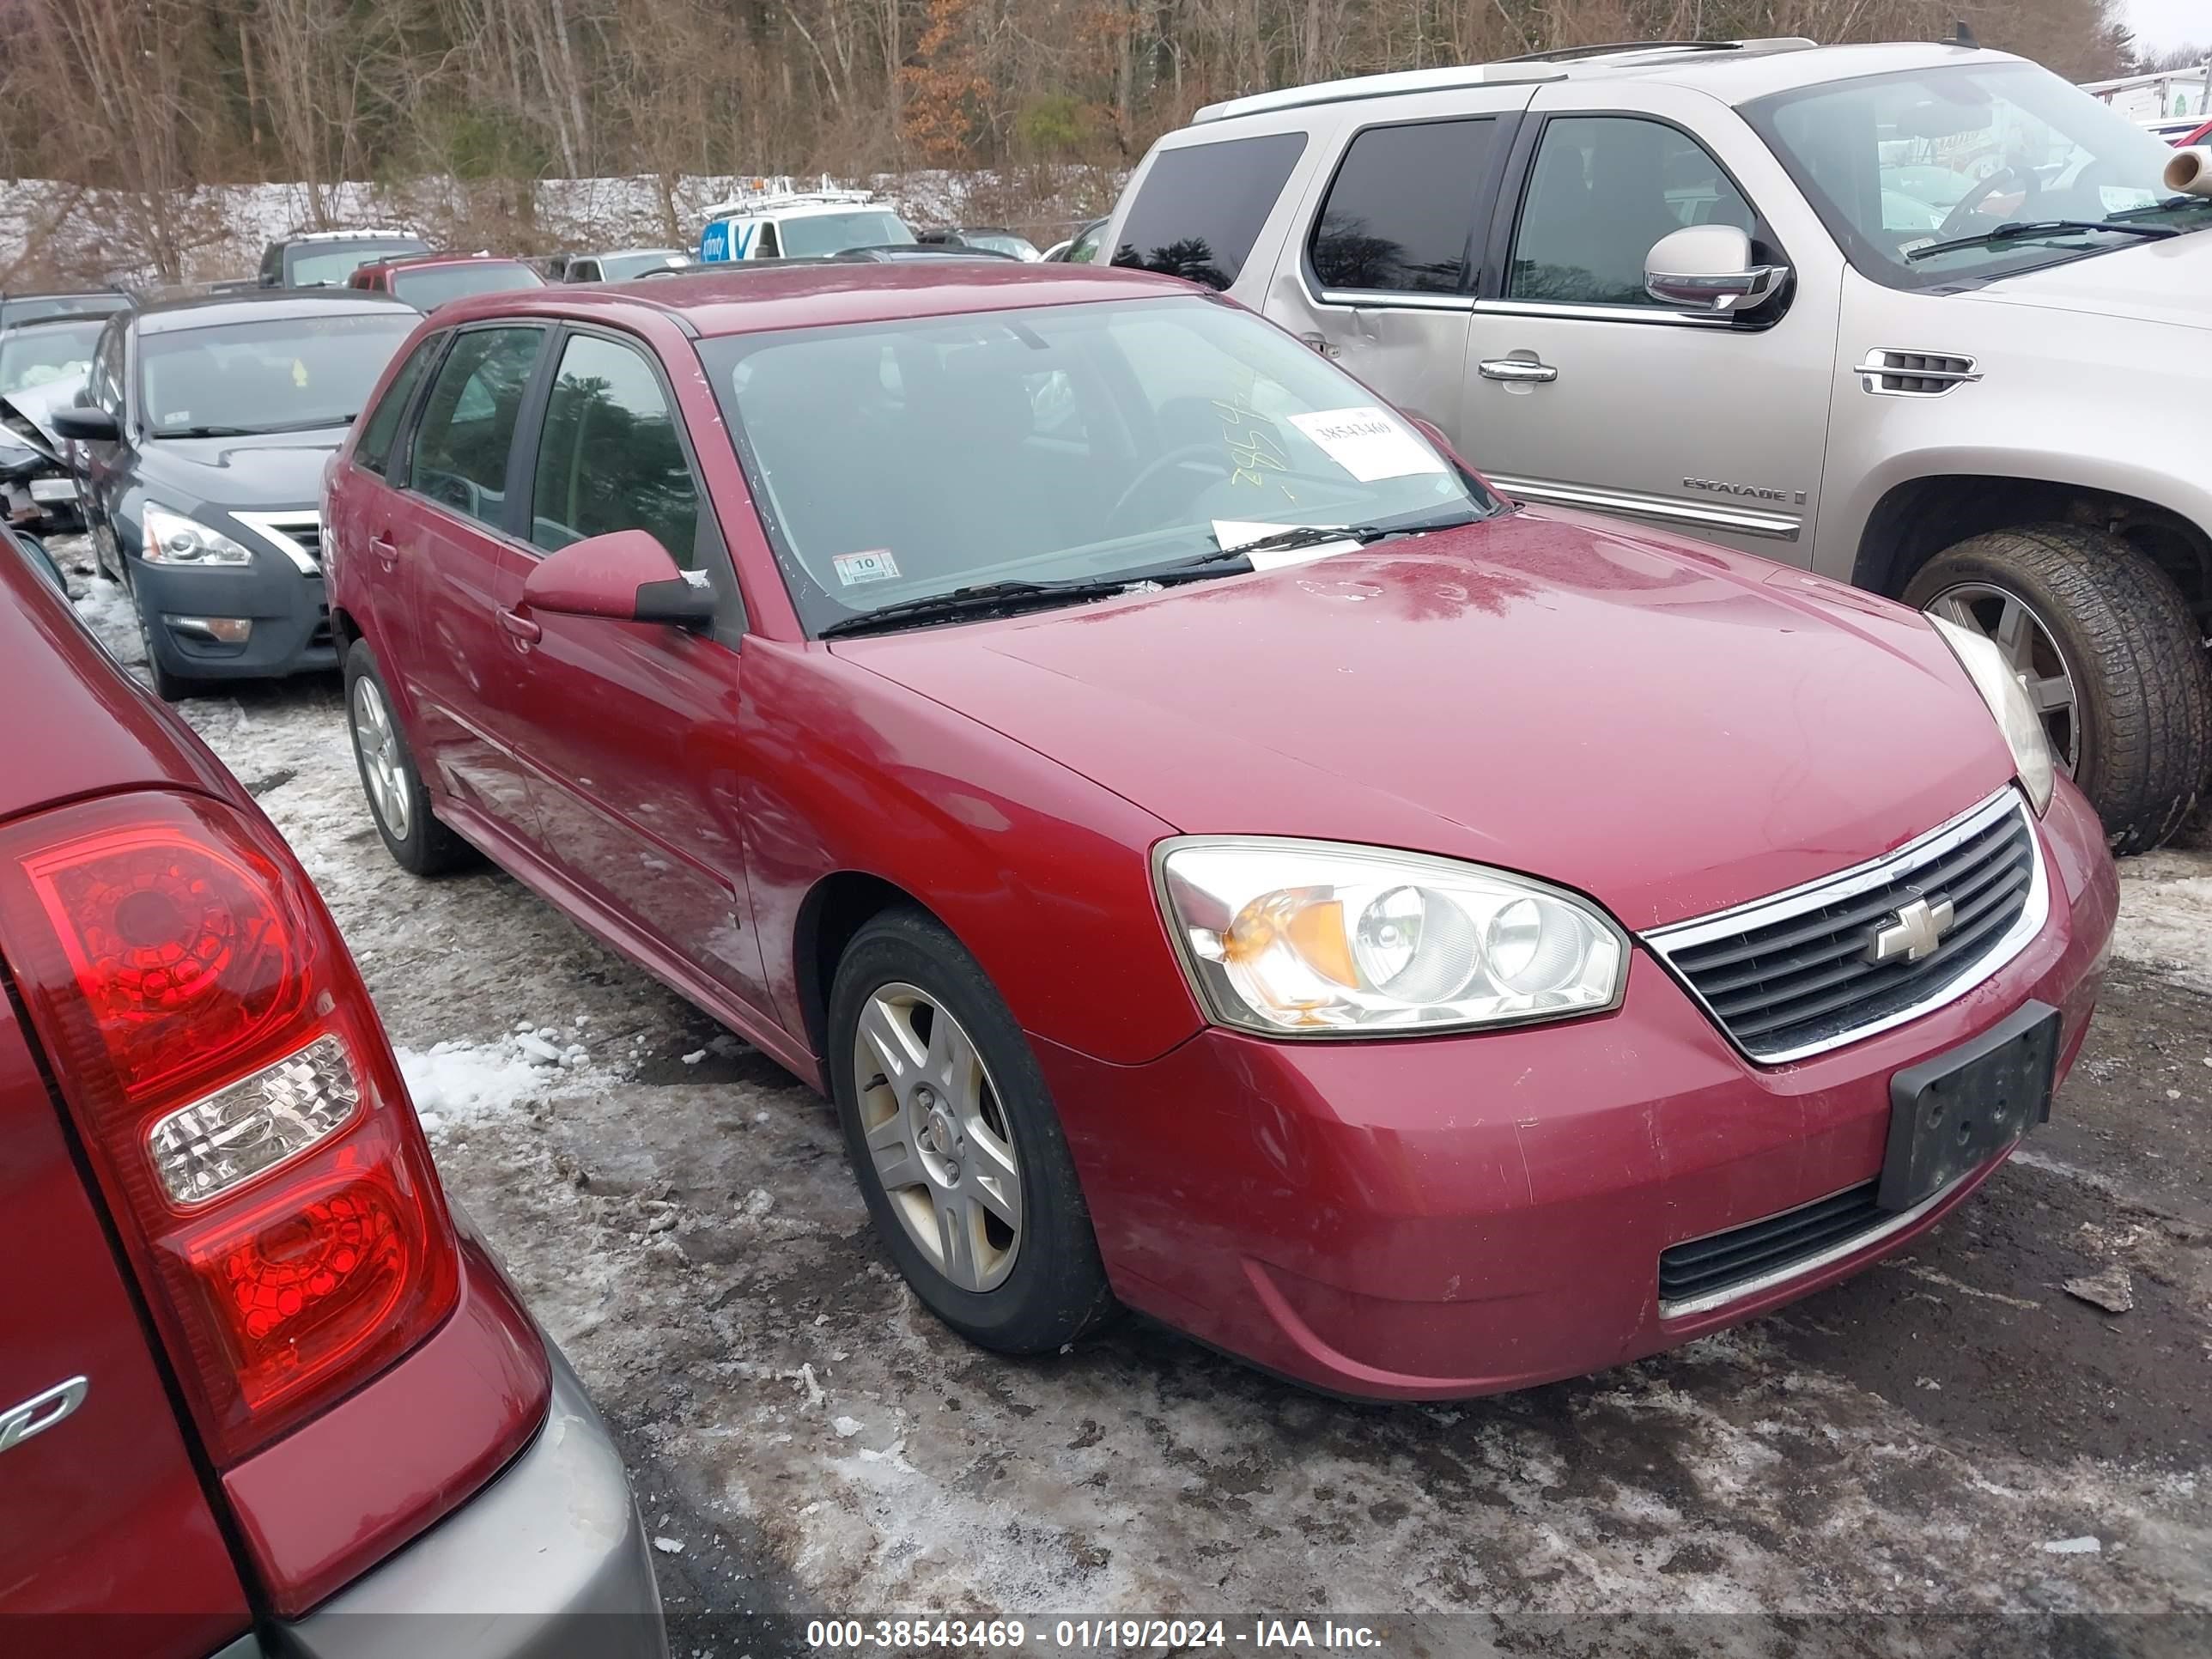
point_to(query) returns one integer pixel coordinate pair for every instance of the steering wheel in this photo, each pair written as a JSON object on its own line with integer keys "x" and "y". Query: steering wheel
{"x": 1954, "y": 221}
{"x": 1189, "y": 454}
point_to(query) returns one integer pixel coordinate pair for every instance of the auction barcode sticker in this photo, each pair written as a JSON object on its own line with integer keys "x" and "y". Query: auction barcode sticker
{"x": 1369, "y": 443}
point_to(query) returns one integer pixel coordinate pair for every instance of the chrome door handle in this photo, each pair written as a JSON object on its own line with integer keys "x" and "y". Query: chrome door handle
{"x": 1323, "y": 344}
{"x": 527, "y": 632}
{"x": 1515, "y": 369}
{"x": 385, "y": 548}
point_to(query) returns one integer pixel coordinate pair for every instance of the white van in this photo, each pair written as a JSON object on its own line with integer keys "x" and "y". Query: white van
{"x": 770, "y": 219}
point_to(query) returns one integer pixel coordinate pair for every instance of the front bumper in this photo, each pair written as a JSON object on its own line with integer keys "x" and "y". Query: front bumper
{"x": 1449, "y": 1216}
{"x": 291, "y": 618}
{"x": 549, "y": 1561}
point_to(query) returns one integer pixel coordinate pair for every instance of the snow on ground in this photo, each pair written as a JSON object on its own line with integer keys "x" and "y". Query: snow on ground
{"x": 678, "y": 1211}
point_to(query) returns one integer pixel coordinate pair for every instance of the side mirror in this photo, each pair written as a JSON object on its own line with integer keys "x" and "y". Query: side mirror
{"x": 625, "y": 575}
{"x": 1709, "y": 268}
{"x": 94, "y": 426}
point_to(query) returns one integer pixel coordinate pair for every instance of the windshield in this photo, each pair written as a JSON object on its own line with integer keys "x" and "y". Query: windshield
{"x": 617, "y": 266}
{"x": 818, "y": 234}
{"x": 1001, "y": 242}
{"x": 285, "y": 374}
{"x": 1896, "y": 163}
{"x": 898, "y": 460}
{"x": 432, "y": 285}
{"x": 329, "y": 267}
{"x": 52, "y": 351}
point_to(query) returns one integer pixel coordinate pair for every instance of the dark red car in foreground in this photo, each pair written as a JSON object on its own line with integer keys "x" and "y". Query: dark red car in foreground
{"x": 1221, "y": 858}
{"x": 257, "y": 1379}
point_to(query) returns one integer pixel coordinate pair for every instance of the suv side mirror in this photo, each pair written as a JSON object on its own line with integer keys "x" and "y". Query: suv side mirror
{"x": 625, "y": 575}
{"x": 94, "y": 426}
{"x": 1709, "y": 268}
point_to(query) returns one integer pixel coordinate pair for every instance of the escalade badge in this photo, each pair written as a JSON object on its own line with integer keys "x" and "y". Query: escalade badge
{"x": 1912, "y": 932}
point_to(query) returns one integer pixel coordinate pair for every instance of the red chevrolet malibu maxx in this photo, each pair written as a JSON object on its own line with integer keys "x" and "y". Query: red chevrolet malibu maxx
{"x": 1221, "y": 858}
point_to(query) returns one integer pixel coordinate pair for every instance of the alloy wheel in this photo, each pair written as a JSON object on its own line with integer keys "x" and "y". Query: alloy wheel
{"x": 2032, "y": 652}
{"x": 937, "y": 1136}
{"x": 377, "y": 743}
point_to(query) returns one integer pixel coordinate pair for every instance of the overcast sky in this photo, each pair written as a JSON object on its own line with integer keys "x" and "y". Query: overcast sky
{"x": 2161, "y": 24}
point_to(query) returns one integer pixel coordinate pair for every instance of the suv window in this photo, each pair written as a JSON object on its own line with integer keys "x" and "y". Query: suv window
{"x": 610, "y": 458}
{"x": 373, "y": 452}
{"x": 1603, "y": 190}
{"x": 1200, "y": 207}
{"x": 1399, "y": 214}
{"x": 765, "y": 247}
{"x": 468, "y": 424}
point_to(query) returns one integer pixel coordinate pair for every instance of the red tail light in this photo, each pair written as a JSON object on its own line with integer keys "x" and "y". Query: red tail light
{"x": 237, "y": 1098}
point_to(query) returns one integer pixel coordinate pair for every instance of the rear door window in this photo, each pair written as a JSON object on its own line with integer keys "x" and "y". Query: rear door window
{"x": 462, "y": 443}
{"x": 609, "y": 456}
{"x": 1201, "y": 206}
{"x": 1399, "y": 217}
{"x": 373, "y": 452}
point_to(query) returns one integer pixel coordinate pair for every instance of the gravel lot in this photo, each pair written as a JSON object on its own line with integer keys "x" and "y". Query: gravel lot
{"x": 1948, "y": 1438}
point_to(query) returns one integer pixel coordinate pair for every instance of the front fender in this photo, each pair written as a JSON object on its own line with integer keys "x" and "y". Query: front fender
{"x": 1044, "y": 875}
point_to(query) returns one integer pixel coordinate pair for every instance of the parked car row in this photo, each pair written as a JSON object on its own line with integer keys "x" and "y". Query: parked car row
{"x": 1222, "y": 854}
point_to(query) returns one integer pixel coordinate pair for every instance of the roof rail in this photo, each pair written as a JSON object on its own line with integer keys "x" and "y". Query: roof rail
{"x": 1505, "y": 71}
{"x": 1571, "y": 54}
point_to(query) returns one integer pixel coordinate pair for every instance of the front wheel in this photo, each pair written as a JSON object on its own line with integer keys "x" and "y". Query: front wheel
{"x": 956, "y": 1142}
{"x": 2106, "y": 648}
{"x": 168, "y": 686}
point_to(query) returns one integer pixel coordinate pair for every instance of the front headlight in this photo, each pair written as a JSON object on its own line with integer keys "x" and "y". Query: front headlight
{"x": 2002, "y": 690}
{"x": 1320, "y": 939}
{"x": 172, "y": 539}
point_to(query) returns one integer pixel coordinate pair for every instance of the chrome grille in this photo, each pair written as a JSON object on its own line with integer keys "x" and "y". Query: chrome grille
{"x": 1794, "y": 974}
{"x": 300, "y": 535}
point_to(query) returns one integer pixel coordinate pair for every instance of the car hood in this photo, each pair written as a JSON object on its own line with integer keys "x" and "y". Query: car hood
{"x": 277, "y": 468}
{"x": 2159, "y": 282}
{"x": 1668, "y": 727}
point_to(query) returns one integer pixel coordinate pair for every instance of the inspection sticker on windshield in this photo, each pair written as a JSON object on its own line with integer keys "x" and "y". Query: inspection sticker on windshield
{"x": 876, "y": 565}
{"x": 1368, "y": 443}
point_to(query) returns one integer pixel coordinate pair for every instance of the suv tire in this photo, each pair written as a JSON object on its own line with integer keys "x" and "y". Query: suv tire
{"x": 420, "y": 844}
{"x": 2142, "y": 691}
{"x": 1050, "y": 1286}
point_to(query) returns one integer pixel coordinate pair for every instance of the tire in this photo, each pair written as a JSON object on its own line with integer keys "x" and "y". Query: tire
{"x": 169, "y": 687}
{"x": 1049, "y": 1287}
{"x": 2142, "y": 689}
{"x": 389, "y": 780}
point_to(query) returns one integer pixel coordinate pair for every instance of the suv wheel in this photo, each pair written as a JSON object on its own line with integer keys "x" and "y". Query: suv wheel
{"x": 956, "y": 1142}
{"x": 2109, "y": 652}
{"x": 396, "y": 799}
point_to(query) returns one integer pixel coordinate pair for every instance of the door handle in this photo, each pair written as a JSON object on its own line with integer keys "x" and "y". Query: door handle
{"x": 1323, "y": 344}
{"x": 1523, "y": 369}
{"x": 525, "y": 630}
{"x": 384, "y": 548}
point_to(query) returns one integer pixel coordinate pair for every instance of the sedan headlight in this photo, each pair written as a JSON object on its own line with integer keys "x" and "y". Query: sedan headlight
{"x": 1320, "y": 939}
{"x": 2001, "y": 689}
{"x": 172, "y": 539}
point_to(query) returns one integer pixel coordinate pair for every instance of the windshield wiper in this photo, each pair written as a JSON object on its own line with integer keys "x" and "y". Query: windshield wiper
{"x": 1318, "y": 535}
{"x": 980, "y": 599}
{"x": 2016, "y": 229}
{"x": 2171, "y": 204}
{"x": 985, "y": 598}
{"x": 202, "y": 432}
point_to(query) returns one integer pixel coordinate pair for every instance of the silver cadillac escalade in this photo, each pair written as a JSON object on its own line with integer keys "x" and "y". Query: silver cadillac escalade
{"x": 1922, "y": 318}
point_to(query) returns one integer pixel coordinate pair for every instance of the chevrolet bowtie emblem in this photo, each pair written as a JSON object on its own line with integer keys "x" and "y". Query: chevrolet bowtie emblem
{"x": 1912, "y": 932}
